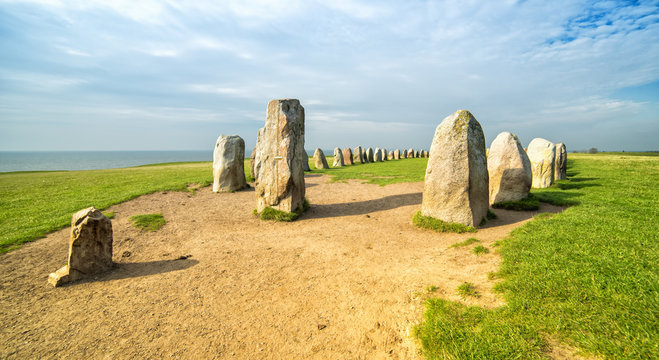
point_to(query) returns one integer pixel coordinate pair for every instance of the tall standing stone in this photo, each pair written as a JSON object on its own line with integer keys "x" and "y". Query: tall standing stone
{"x": 319, "y": 159}
{"x": 377, "y": 155}
{"x": 542, "y": 155}
{"x": 229, "y": 164}
{"x": 347, "y": 156}
{"x": 560, "y": 164}
{"x": 509, "y": 169}
{"x": 90, "y": 247}
{"x": 358, "y": 155}
{"x": 338, "y": 158}
{"x": 397, "y": 154}
{"x": 280, "y": 157}
{"x": 455, "y": 189}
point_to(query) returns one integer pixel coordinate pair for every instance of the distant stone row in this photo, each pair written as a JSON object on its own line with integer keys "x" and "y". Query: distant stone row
{"x": 462, "y": 180}
{"x": 349, "y": 156}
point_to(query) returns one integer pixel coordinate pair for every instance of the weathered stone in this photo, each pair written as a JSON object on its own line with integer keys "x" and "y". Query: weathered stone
{"x": 542, "y": 155}
{"x": 338, "y": 158}
{"x": 347, "y": 156}
{"x": 383, "y": 154}
{"x": 305, "y": 161}
{"x": 90, "y": 247}
{"x": 416, "y": 153}
{"x": 397, "y": 154}
{"x": 456, "y": 184}
{"x": 229, "y": 164}
{"x": 427, "y": 153}
{"x": 410, "y": 153}
{"x": 319, "y": 159}
{"x": 404, "y": 154}
{"x": 251, "y": 163}
{"x": 560, "y": 164}
{"x": 377, "y": 155}
{"x": 358, "y": 155}
{"x": 509, "y": 169}
{"x": 390, "y": 156}
{"x": 280, "y": 157}
{"x": 370, "y": 155}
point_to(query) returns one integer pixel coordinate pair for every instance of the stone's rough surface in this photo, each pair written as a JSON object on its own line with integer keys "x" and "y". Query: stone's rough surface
{"x": 251, "y": 163}
{"x": 338, "y": 158}
{"x": 280, "y": 157}
{"x": 390, "y": 156}
{"x": 397, "y": 154}
{"x": 404, "y": 154}
{"x": 347, "y": 156}
{"x": 358, "y": 155}
{"x": 560, "y": 163}
{"x": 455, "y": 189}
{"x": 377, "y": 155}
{"x": 509, "y": 169}
{"x": 229, "y": 164}
{"x": 90, "y": 247}
{"x": 542, "y": 155}
{"x": 319, "y": 160}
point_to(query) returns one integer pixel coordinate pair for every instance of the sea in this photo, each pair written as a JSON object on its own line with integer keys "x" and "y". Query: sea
{"x": 11, "y": 161}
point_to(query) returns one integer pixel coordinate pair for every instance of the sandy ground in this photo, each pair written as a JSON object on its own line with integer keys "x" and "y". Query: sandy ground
{"x": 345, "y": 281}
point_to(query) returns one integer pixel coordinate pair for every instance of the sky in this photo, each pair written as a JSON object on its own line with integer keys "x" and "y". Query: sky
{"x": 174, "y": 75}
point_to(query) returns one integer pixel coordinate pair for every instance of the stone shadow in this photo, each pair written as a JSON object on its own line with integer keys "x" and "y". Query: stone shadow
{"x": 361, "y": 207}
{"x": 140, "y": 269}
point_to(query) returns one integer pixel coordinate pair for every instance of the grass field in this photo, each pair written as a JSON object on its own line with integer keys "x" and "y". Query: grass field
{"x": 588, "y": 277}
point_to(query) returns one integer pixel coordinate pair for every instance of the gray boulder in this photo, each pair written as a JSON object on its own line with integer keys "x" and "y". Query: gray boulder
{"x": 542, "y": 155}
{"x": 229, "y": 164}
{"x": 319, "y": 159}
{"x": 338, "y": 158}
{"x": 509, "y": 169}
{"x": 560, "y": 163}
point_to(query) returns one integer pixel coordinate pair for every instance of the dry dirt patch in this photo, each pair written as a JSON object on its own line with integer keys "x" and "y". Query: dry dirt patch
{"x": 346, "y": 280}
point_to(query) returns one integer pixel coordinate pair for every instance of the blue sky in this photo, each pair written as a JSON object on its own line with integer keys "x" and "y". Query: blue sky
{"x": 174, "y": 75}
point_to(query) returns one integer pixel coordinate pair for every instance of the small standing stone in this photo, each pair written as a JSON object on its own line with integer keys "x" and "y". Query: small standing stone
{"x": 509, "y": 169}
{"x": 347, "y": 156}
{"x": 542, "y": 155}
{"x": 377, "y": 155}
{"x": 370, "y": 155}
{"x": 338, "y": 158}
{"x": 358, "y": 155}
{"x": 251, "y": 163}
{"x": 410, "y": 153}
{"x": 229, "y": 164}
{"x": 397, "y": 154}
{"x": 319, "y": 159}
{"x": 384, "y": 154}
{"x": 455, "y": 189}
{"x": 404, "y": 154}
{"x": 90, "y": 247}
{"x": 390, "y": 156}
{"x": 560, "y": 165}
{"x": 305, "y": 162}
{"x": 280, "y": 157}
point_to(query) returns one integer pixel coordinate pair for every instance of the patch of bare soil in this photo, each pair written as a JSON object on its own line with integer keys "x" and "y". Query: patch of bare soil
{"x": 342, "y": 282}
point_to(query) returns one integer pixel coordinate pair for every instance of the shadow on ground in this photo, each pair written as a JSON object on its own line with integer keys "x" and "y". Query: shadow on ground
{"x": 361, "y": 207}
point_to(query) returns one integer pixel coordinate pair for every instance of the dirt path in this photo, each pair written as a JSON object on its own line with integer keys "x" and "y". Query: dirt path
{"x": 345, "y": 281}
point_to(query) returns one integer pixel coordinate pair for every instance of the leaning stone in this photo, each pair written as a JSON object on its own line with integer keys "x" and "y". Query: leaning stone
{"x": 377, "y": 155}
{"x": 560, "y": 164}
{"x": 280, "y": 157}
{"x": 509, "y": 169}
{"x": 347, "y": 156}
{"x": 229, "y": 164}
{"x": 542, "y": 155}
{"x": 455, "y": 189}
{"x": 319, "y": 160}
{"x": 397, "y": 154}
{"x": 90, "y": 247}
{"x": 358, "y": 155}
{"x": 338, "y": 158}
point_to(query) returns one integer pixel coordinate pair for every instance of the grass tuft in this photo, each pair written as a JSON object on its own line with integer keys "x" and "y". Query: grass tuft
{"x": 465, "y": 243}
{"x": 529, "y": 203}
{"x": 491, "y": 215}
{"x": 480, "y": 249}
{"x": 467, "y": 289}
{"x": 427, "y": 222}
{"x": 277, "y": 215}
{"x": 109, "y": 214}
{"x": 149, "y": 222}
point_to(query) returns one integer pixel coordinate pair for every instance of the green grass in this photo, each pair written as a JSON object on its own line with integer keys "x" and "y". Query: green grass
{"x": 465, "y": 243}
{"x": 148, "y": 222}
{"x": 588, "y": 276}
{"x": 427, "y": 222}
{"x": 277, "y": 215}
{"x": 467, "y": 289}
{"x": 480, "y": 249}
{"x": 109, "y": 214}
{"x": 529, "y": 203}
{"x": 381, "y": 173}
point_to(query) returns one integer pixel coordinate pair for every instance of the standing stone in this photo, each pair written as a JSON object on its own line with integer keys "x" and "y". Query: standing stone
{"x": 410, "y": 153}
{"x": 390, "y": 156}
{"x": 416, "y": 154}
{"x": 377, "y": 155}
{"x": 404, "y": 154}
{"x": 384, "y": 154}
{"x": 455, "y": 189}
{"x": 251, "y": 163}
{"x": 90, "y": 247}
{"x": 368, "y": 155}
{"x": 560, "y": 164}
{"x": 338, "y": 158}
{"x": 229, "y": 164}
{"x": 305, "y": 162}
{"x": 357, "y": 155}
{"x": 542, "y": 155}
{"x": 397, "y": 154}
{"x": 280, "y": 157}
{"x": 427, "y": 153}
{"x": 319, "y": 160}
{"x": 509, "y": 169}
{"x": 347, "y": 156}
